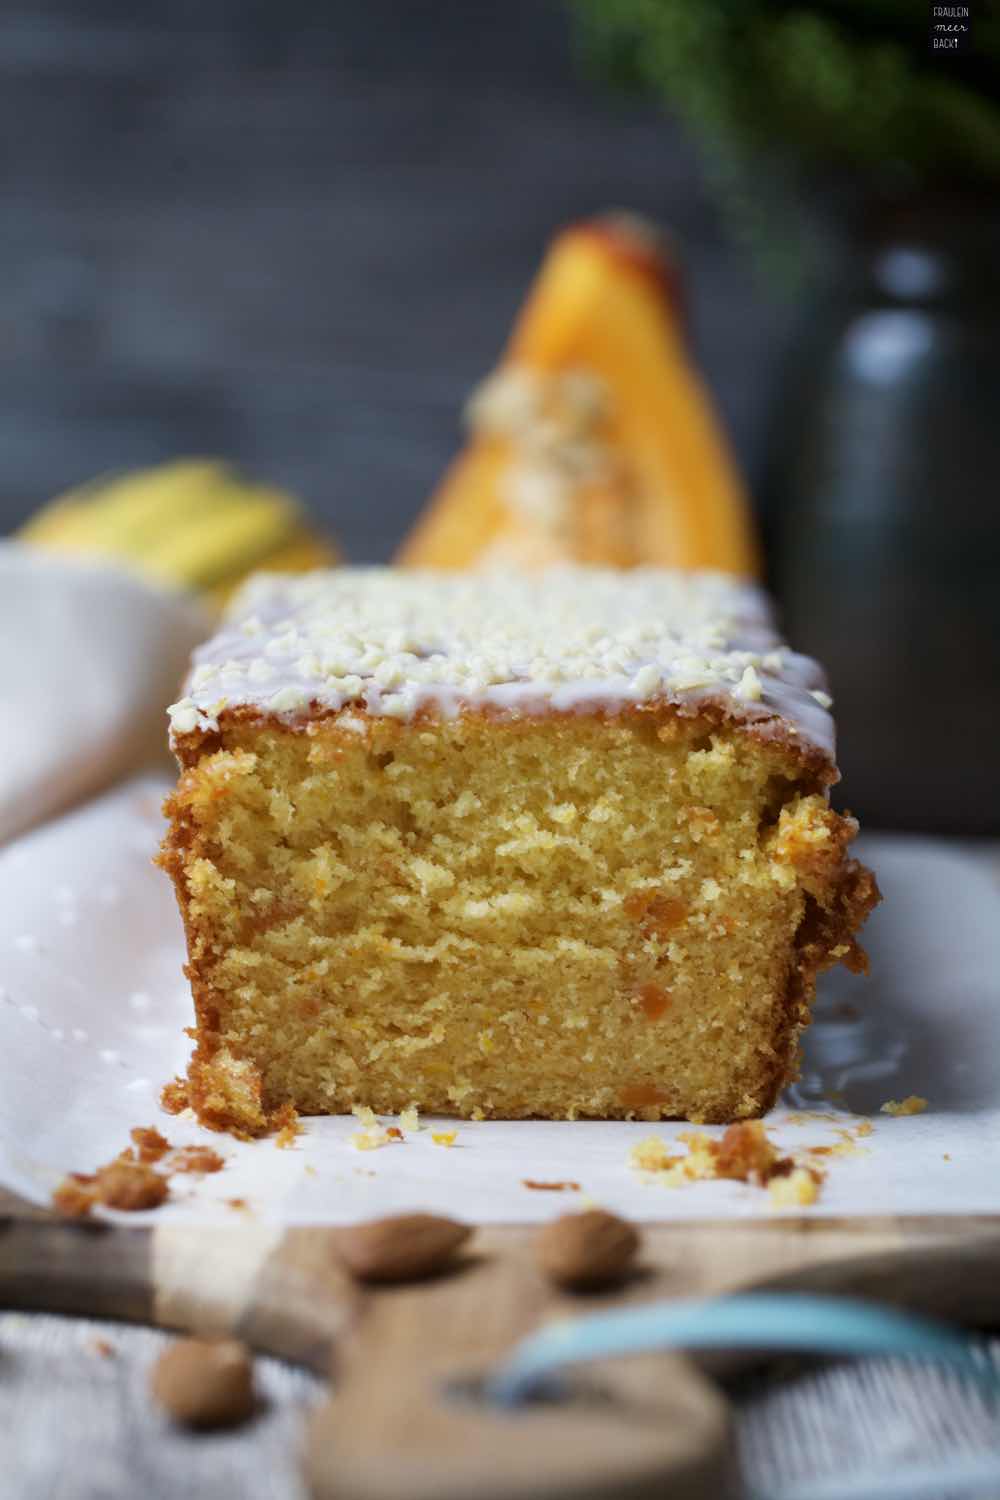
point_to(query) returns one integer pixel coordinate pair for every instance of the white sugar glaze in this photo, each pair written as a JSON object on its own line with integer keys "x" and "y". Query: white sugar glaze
{"x": 571, "y": 639}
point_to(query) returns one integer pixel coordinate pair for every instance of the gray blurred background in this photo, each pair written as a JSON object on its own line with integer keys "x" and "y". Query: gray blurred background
{"x": 293, "y": 235}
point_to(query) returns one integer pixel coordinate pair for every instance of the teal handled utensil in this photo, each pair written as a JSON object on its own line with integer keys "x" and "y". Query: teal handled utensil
{"x": 790, "y": 1322}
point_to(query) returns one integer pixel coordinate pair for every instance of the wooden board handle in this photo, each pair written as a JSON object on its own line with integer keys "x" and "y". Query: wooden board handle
{"x": 281, "y": 1291}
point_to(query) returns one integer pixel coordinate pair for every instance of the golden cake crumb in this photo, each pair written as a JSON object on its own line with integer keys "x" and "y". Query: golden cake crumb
{"x": 913, "y": 1104}
{"x": 444, "y": 1137}
{"x": 795, "y": 1189}
{"x": 138, "y": 1178}
{"x": 198, "y": 1160}
{"x": 371, "y": 1138}
{"x": 651, "y": 1155}
{"x": 130, "y": 1186}
{"x": 149, "y": 1144}
{"x": 74, "y": 1197}
{"x": 744, "y": 1153}
{"x": 289, "y": 1127}
{"x": 174, "y": 1096}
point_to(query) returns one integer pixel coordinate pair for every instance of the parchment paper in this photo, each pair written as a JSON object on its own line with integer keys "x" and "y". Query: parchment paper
{"x": 93, "y": 1005}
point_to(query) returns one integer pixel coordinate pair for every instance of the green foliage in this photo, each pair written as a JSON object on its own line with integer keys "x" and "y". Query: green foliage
{"x": 848, "y": 82}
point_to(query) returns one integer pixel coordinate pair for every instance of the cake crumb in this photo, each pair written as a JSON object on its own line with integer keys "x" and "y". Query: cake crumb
{"x": 865, "y": 1128}
{"x": 130, "y": 1186}
{"x": 239, "y": 1205}
{"x": 444, "y": 1137}
{"x": 364, "y": 1115}
{"x": 73, "y": 1198}
{"x": 913, "y": 1104}
{"x": 795, "y": 1189}
{"x": 409, "y": 1119}
{"x": 846, "y": 1145}
{"x": 289, "y": 1127}
{"x": 150, "y": 1145}
{"x": 103, "y": 1349}
{"x": 124, "y": 1183}
{"x": 550, "y": 1187}
{"x": 199, "y": 1160}
{"x": 651, "y": 1155}
{"x": 744, "y": 1153}
{"x": 394, "y": 1133}
{"x": 370, "y": 1139}
{"x": 174, "y": 1097}
{"x": 131, "y": 1182}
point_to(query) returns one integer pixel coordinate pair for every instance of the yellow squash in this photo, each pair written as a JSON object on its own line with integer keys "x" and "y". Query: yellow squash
{"x": 193, "y": 523}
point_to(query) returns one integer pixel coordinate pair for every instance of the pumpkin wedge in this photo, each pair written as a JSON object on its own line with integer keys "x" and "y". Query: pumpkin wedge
{"x": 595, "y": 439}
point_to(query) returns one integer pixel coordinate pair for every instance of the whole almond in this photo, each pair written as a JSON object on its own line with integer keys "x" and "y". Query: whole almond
{"x": 586, "y": 1250}
{"x": 402, "y": 1247}
{"x": 205, "y": 1382}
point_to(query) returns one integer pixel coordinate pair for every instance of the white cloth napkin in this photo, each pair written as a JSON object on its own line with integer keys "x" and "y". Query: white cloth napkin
{"x": 90, "y": 655}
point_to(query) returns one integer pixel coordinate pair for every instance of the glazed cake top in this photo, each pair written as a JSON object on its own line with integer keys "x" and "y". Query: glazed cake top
{"x": 394, "y": 642}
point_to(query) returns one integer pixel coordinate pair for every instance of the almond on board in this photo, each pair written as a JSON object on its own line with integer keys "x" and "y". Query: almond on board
{"x": 585, "y": 1250}
{"x": 401, "y": 1247}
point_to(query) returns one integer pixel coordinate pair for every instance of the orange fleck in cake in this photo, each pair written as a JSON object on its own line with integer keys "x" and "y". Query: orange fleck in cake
{"x": 504, "y": 845}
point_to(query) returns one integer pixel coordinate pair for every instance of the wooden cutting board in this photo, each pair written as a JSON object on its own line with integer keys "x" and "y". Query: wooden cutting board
{"x": 393, "y": 1424}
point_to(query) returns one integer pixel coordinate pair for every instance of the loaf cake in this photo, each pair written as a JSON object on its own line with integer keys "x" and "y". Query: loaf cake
{"x": 554, "y": 845}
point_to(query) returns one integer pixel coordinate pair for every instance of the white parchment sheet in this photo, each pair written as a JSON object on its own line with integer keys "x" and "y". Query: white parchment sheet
{"x": 93, "y": 1006}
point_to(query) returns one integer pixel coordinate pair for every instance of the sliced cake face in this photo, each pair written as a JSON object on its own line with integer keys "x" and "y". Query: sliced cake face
{"x": 534, "y": 884}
